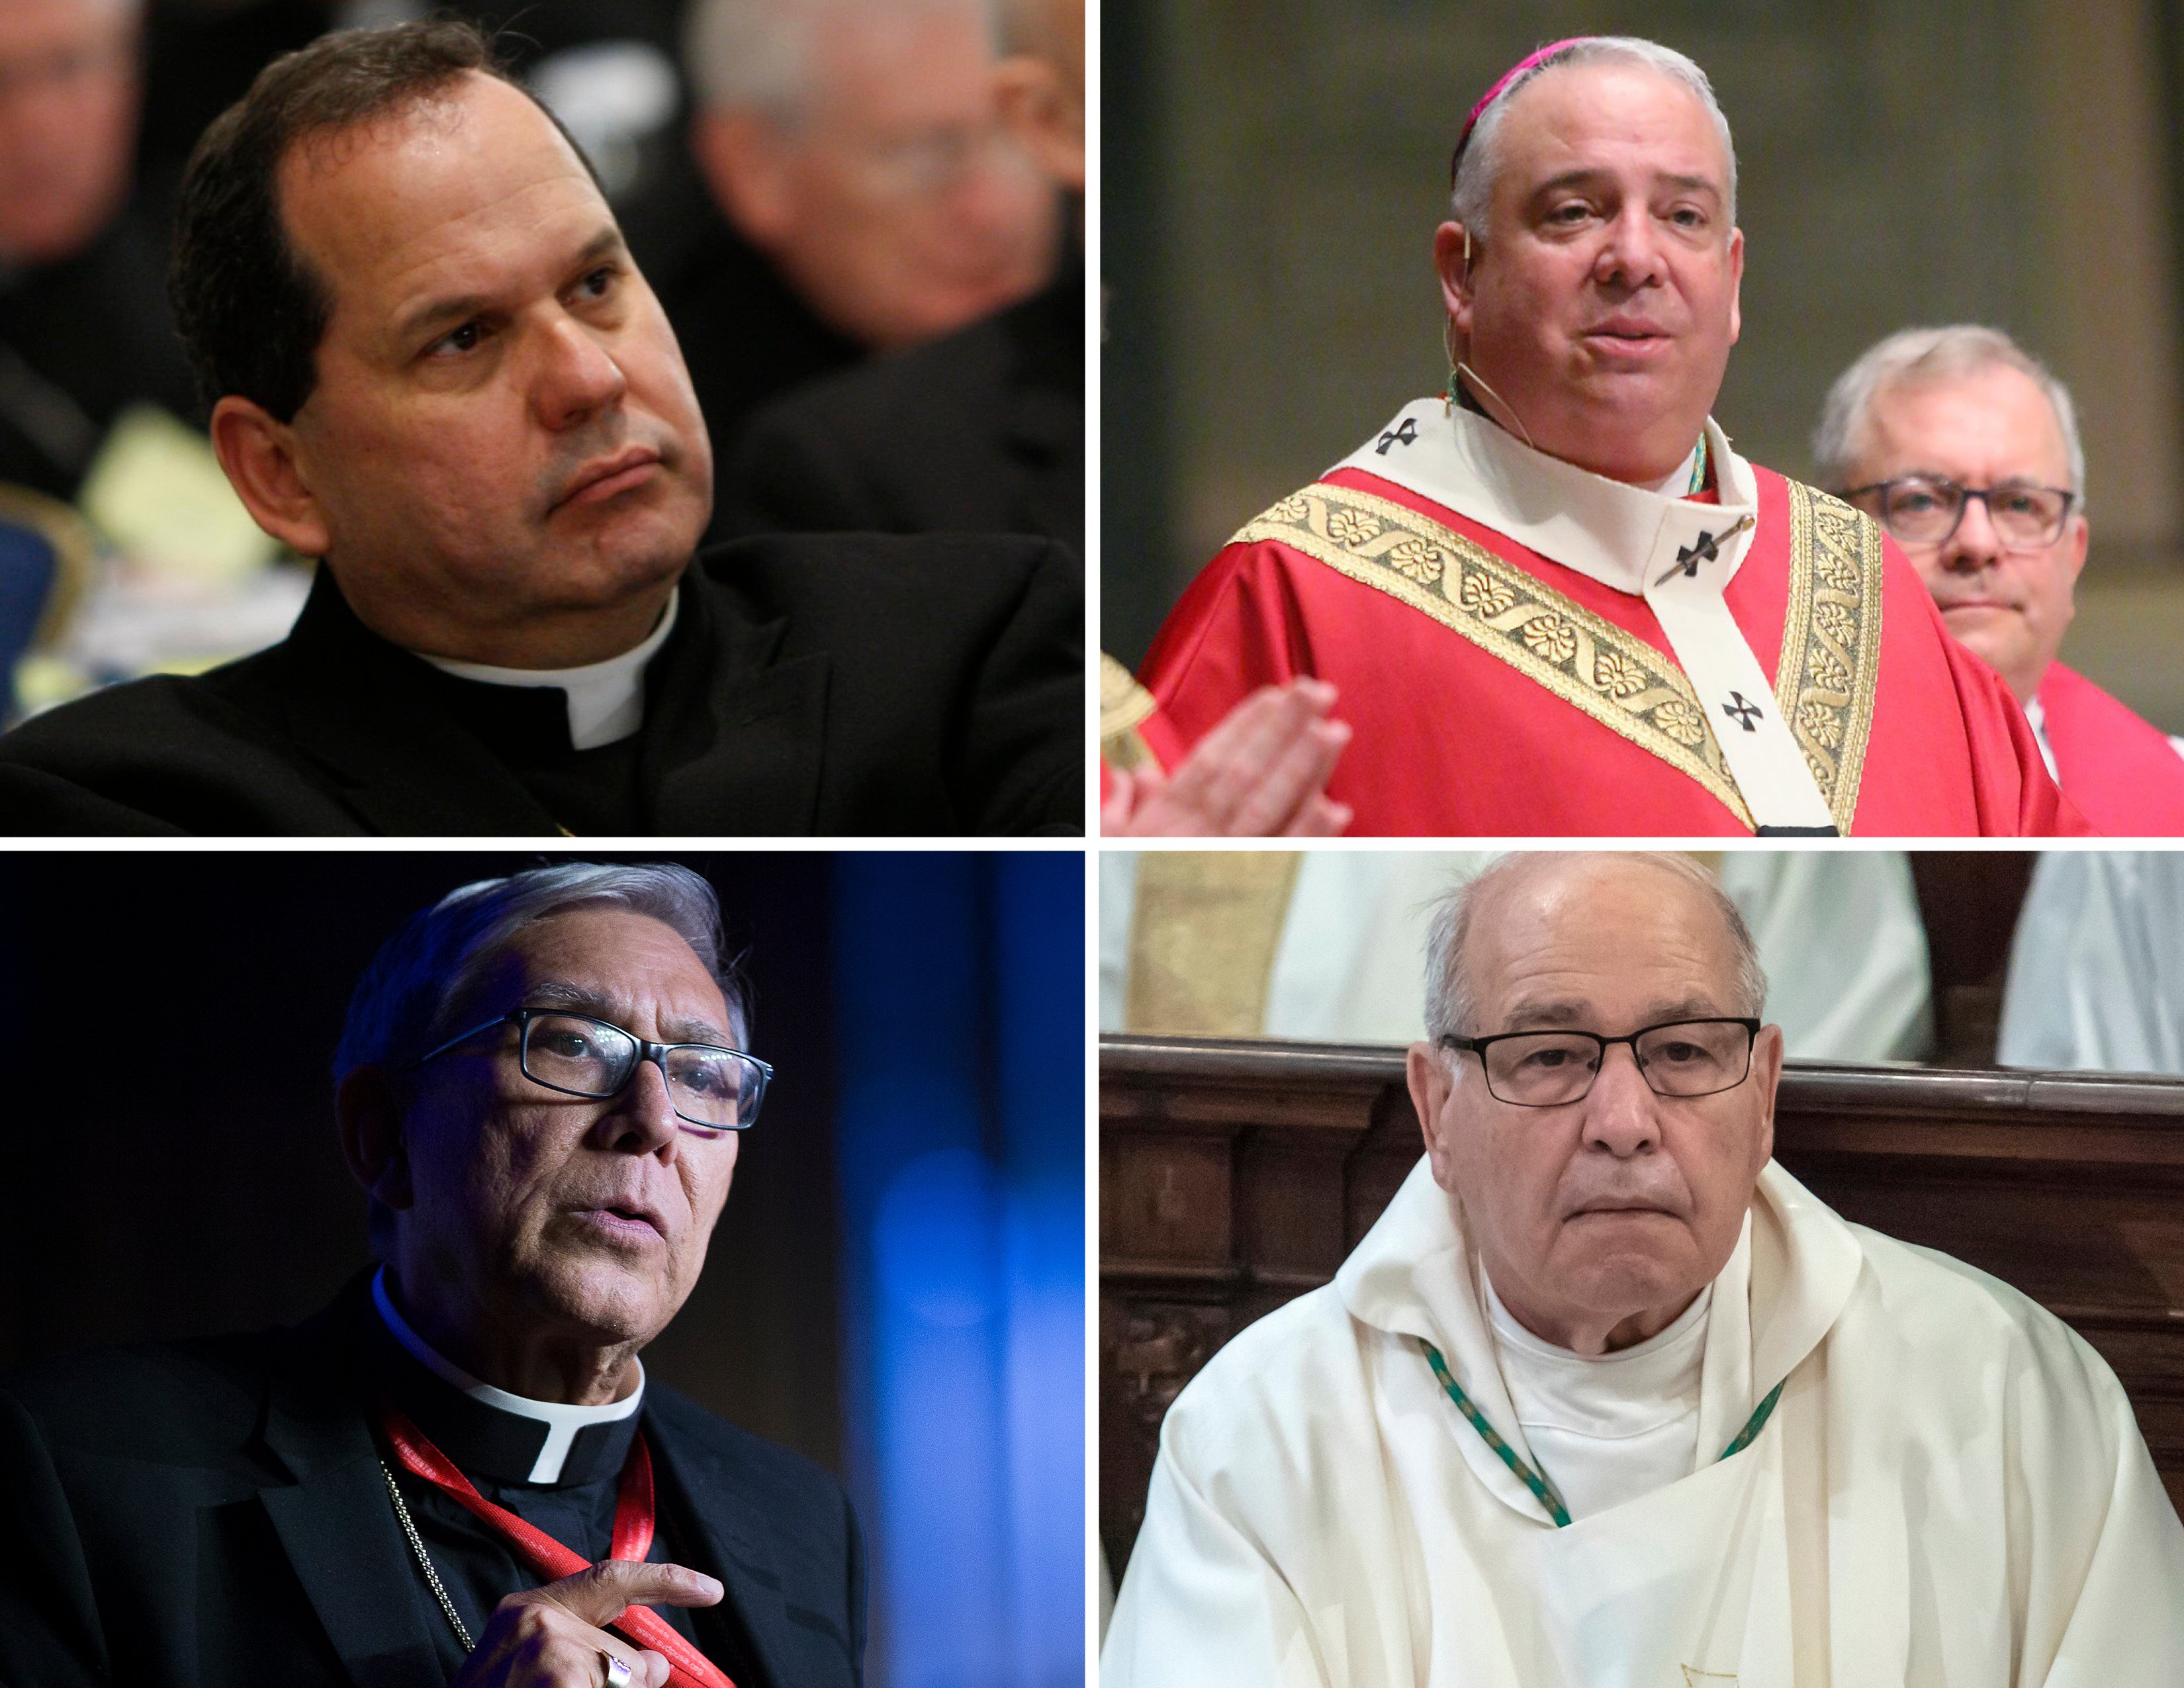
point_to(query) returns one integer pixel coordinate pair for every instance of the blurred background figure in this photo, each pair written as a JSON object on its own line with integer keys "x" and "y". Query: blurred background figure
{"x": 869, "y": 198}
{"x": 983, "y": 430}
{"x": 2097, "y": 972}
{"x": 1329, "y": 946}
{"x": 1966, "y": 448}
{"x": 85, "y": 330}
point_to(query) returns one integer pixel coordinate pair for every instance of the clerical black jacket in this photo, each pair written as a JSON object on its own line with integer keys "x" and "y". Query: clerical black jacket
{"x": 981, "y": 432}
{"x": 843, "y": 683}
{"x": 214, "y": 1514}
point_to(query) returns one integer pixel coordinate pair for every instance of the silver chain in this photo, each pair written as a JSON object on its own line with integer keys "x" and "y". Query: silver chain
{"x": 424, "y": 1560}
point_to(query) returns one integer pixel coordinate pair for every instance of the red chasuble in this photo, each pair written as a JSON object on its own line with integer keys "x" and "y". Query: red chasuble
{"x": 1497, "y": 694}
{"x": 2119, "y": 772}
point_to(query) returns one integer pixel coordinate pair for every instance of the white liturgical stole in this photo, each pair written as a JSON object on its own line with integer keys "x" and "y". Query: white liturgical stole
{"x": 1678, "y": 555}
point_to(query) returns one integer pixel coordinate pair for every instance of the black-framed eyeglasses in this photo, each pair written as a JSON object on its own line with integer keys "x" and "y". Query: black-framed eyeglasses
{"x": 1681, "y": 1058}
{"x": 1926, "y": 509}
{"x": 708, "y": 1085}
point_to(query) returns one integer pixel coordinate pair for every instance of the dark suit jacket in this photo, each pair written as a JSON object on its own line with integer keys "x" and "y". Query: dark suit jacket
{"x": 981, "y": 432}
{"x": 212, "y": 1515}
{"x": 844, "y": 684}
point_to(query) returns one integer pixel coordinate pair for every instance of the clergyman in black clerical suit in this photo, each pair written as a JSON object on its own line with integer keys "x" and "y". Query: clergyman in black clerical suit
{"x": 436, "y": 368}
{"x": 542, "y": 1085}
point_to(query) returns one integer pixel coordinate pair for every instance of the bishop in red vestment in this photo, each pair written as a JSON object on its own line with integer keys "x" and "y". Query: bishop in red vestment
{"x": 1558, "y": 601}
{"x": 1966, "y": 449}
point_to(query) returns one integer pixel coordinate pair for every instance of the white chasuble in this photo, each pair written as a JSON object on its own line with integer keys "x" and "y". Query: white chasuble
{"x": 1677, "y": 555}
{"x": 1951, "y": 1492}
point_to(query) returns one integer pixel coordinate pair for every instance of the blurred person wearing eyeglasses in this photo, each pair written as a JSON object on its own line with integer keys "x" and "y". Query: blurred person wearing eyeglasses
{"x": 1606, "y": 1395}
{"x": 84, "y": 327}
{"x": 1966, "y": 448}
{"x": 866, "y": 197}
{"x": 541, "y": 1087}
{"x": 983, "y": 431}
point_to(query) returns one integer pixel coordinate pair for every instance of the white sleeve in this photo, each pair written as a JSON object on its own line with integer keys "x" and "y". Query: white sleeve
{"x": 2095, "y": 978}
{"x": 1201, "y": 1605}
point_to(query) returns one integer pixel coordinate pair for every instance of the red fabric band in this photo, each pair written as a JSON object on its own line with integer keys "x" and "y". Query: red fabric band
{"x": 633, "y": 1540}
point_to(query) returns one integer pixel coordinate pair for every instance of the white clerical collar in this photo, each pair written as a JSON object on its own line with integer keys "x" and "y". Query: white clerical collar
{"x": 1678, "y": 555}
{"x": 561, "y": 1420}
{"x": 606, "y": 700}
{"x": 2036, "y": 718}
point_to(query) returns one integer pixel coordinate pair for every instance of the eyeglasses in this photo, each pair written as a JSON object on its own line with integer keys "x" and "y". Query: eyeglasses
{"x": 707, "y": 1085}
{"x": 1681, "y": 1058}
{"x": 1924, "y": 509}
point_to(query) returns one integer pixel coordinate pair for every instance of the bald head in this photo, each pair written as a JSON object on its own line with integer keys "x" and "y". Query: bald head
{"x": 1479, "y": 921}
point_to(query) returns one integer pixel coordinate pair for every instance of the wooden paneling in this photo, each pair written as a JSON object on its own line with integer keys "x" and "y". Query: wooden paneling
{"x": 1235, "y": 1174}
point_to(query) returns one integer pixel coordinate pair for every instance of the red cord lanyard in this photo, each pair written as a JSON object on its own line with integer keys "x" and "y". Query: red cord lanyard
{"x": 633, "y": 1540}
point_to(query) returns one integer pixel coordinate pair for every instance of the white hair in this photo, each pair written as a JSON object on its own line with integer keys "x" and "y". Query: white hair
{"x": 1452, "y": 999}
{"x": 1912, "y": 357}
{"x": 756, "y": 55}
{"x": 1473, "y": 189}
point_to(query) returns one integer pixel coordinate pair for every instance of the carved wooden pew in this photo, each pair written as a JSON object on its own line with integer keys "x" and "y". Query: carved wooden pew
{"x": 1235, "y": 1174}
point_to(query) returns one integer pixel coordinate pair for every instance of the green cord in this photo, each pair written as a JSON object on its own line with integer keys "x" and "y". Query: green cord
{"x": 1536, "y": 1481}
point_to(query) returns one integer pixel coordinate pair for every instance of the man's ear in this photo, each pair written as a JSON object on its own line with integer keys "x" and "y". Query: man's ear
{"x": 1767, "y": 1074}
{"x": 369, "y": 1109}
{"x": 1454, "y": 254}
{"x": 741, "y": 157}
{"x": 1047, "y": 123}
{"x": 259, "y": 454}
{"x": 1430, "y": 1081}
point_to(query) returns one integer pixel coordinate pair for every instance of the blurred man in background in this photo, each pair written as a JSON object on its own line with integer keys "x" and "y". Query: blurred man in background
{"x": 1967, "y": 450}
{"x": 85, "y": 330}
{"x": 872, "y": 199}
{"x": 983, "y": 430}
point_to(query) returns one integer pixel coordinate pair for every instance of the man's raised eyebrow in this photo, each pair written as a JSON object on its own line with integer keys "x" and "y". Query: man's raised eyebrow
{"x": 460, "y": 307}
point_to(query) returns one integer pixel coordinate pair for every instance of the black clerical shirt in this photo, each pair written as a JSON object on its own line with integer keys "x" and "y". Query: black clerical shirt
{"x": 497, "y": 1451}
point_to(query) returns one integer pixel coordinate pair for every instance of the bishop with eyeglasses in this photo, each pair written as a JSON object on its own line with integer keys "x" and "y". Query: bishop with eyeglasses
{"x": 459, "y": 1472}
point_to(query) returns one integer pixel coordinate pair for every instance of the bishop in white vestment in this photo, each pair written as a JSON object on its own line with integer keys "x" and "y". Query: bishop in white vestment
{"x": 1808, "y": 1455}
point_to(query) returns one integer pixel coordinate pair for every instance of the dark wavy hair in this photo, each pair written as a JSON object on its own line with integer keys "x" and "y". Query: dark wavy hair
{"x": 251, "y": 311}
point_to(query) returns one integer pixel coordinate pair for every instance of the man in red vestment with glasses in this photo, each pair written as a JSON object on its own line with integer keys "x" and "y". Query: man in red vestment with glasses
{"x": 1966, "y": 447}
{"x": 459, "y": 1473}
{"x": 1557, "y": 601}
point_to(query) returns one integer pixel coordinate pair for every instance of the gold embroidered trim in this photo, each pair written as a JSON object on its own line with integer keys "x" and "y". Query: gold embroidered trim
{"x": 1831, "y": 642}
{"x": 1124, "y": 704}
{"x": 1583, "y": 658}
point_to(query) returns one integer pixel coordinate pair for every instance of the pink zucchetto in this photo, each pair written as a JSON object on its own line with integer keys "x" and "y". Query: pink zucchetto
{"x": 1527, "y": 62}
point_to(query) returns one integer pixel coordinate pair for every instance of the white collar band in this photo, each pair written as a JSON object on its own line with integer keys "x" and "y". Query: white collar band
{"x": 561, "y": 1420}
{"x": 605, "y": 699}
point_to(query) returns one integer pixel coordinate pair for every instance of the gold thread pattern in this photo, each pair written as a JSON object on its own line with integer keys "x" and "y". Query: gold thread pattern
{"x": 1831, "y": 660}
{"x": 1583, "y": 658}
{"x": 1123, "y": 705}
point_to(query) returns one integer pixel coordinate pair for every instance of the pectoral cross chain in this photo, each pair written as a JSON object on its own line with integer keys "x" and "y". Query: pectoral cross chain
{"x": 1705, "y": 548}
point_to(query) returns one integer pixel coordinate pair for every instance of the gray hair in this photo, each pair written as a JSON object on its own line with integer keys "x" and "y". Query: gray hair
{"x": 755, "y": 55}
{"x": 427, "y": 975}
{"x": 1912, "y": 357}
{"x": 1473, "y": 190}
{"x": 1451, "y": 1004}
